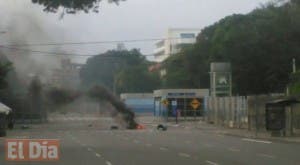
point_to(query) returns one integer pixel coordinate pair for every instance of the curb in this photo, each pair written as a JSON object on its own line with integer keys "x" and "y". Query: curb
{"x": 261, "y": 138}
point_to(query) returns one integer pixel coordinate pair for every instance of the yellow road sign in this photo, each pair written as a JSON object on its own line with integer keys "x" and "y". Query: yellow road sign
{"x": 165, "y": 102}
{"x": 195, "y": 104}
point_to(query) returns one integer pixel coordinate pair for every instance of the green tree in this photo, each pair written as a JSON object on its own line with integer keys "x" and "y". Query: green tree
{"x": 259, "y": 45}
{"x": 176, "y": 74}
{"x": 137, "y": 79}
{"x": 12, "y": 92}
{"x": 125, "y": 70}
{"x": 294, "y": 85}
{"x": 72, "y": 6}
{"x": 5, "y": 67}
{"x": 101, "y": 69}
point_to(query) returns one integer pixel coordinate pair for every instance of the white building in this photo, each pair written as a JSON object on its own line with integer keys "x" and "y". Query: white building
{"x": 174, "y": 38}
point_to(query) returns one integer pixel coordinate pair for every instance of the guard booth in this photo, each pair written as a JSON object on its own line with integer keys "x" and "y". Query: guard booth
{"x": 279, "y": 117}
{"x": 181, "y": 104}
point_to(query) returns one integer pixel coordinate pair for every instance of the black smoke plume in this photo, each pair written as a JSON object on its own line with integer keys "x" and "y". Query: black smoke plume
{"x": 101, "y": 93}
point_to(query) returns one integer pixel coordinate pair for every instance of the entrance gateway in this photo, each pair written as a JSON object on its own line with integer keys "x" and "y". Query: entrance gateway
{"x": 188, "y": 103}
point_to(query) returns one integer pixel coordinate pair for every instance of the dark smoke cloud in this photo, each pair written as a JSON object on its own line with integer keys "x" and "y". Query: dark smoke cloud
{"x": 61, "y": 97}
{"x": 101, "y": 93}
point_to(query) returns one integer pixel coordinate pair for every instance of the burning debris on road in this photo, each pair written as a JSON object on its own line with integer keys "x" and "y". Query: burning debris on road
{"x": 61, "y": 96}
{"x": 128, "y": 116}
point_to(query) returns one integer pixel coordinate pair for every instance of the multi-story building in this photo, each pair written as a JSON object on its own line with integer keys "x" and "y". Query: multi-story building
{"x": 174, "y": 39}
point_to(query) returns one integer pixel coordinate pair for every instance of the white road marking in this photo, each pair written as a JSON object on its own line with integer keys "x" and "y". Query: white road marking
{"x": 211, "y": 163}
{"x": 234, "y": 149}
{"x": 108, "y": 163}
{"x": 89, "y": 149}
{"x": 98, "y": 155}
{"x": 184, "y": 155}
{"x": 266, "y": 155}
{"x": 163, "y": 148}
{"x": 258, "y": 141}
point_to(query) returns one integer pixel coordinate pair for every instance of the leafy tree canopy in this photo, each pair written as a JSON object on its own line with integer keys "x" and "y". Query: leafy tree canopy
{"x": 125, "y": 70}
{"x": 137, "y": 79}
{"x": 5, "y": 67}
{"x": 295, "y": 84}
{"x": 71, "y": 6}
{"x": 260, "y": 46}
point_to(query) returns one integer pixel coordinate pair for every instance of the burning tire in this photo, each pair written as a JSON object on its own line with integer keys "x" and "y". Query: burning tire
{"x": 139, "y": 126}
{"x": 161, "y": 127}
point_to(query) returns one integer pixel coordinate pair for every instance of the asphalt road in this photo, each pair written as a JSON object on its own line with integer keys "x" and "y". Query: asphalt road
{"x": 85, "y": 144}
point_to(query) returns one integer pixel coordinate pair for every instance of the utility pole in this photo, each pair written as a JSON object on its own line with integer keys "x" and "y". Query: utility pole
{"x": 294, "y": 71}
{"x": 114, "y": 85}
{"x": 256, "y": 115}
{"x": 294, "y": 65}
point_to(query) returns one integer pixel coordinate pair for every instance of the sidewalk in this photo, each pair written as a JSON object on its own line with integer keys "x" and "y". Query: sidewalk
{"x": 245, "y": 133}
{"x": 201, "y": 125}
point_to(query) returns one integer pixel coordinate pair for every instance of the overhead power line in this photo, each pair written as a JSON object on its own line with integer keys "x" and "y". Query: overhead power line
{"x": 46, "y": 53}
{"x": 42, "y": 52}
{"x": 91, "y": 42}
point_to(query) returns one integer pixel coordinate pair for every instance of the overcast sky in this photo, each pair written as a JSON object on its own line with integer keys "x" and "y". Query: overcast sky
{"x": 132, "y": 19}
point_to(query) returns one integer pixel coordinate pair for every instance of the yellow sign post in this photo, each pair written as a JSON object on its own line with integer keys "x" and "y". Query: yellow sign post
{"x": 165, "y": 102}
{"x": 195, "y": 104}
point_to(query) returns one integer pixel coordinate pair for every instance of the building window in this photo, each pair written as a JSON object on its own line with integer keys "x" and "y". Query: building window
{"x": 187, "y": 35}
